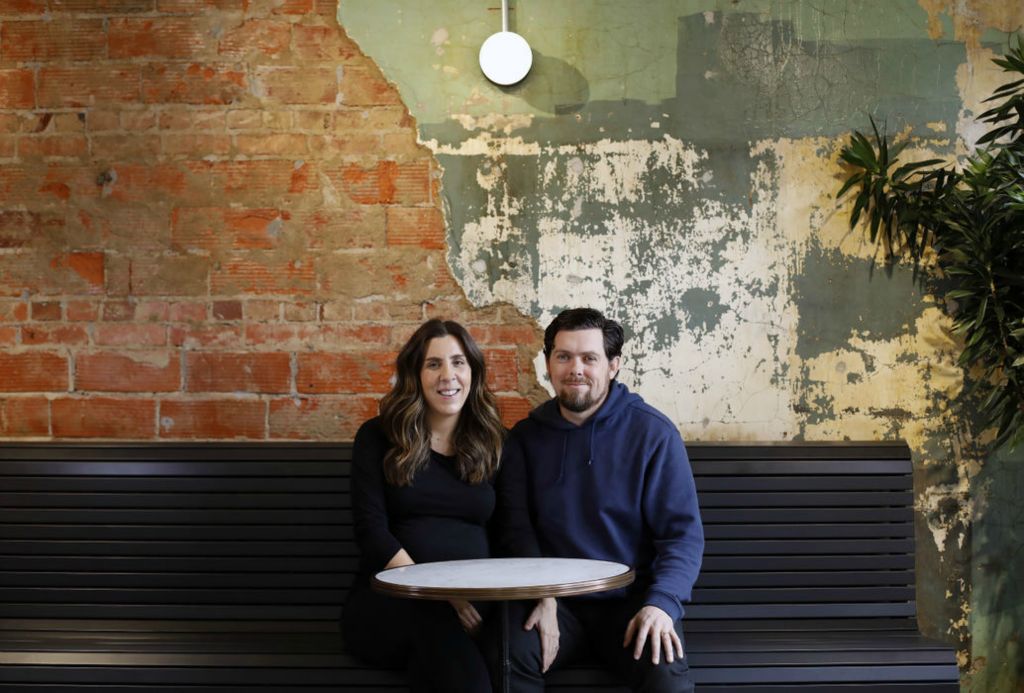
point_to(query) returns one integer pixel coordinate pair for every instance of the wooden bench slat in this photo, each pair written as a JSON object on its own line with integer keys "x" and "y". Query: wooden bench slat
{"x": 177, "y": 501}
{"x": 806, "y": 578}
{"x": 755, "y": 516}
{"x": 239, "y": 516}
{"x": 824, "y": 499}
{"x": 757, "y": 547}
{"x": 335, "y": 531}
{"x": 809, "y": 482}
{"x": 808, "y": 531}
{"x": 815, "y": 594}
{"x": 856, "y": 610}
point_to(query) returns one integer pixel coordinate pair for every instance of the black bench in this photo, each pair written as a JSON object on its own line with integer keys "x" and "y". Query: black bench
{"x": 222, "y": 567}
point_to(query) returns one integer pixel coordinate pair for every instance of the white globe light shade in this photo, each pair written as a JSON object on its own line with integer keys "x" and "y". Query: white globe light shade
{"x": 505, "y": 58}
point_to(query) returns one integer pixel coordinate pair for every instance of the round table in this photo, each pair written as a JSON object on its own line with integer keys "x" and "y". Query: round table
{"x": 503, "y": 579}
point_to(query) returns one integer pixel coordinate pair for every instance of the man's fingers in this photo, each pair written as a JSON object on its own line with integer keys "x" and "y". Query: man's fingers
{"x": 630, "y": 630}
{"x": 678, "y": 644}
{"x": 532, "y": 620}
{"x": 655, "y": 650}
{"x": 641, "y": 640}
{"x": 668, "y": 646}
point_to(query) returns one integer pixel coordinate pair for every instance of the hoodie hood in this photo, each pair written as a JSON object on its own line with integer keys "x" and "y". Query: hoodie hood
{"x": 549, "y": 416}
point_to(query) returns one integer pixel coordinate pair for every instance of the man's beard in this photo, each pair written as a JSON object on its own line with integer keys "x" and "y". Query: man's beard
{"x": 577, "y": 402}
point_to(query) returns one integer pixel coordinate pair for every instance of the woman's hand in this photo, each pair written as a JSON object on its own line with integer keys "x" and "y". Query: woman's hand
{"x": 544, "y": 618}
{"x": 469, "y": 617}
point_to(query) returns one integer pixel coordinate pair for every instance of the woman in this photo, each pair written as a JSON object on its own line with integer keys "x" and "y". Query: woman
{"x": 421, "y": 491}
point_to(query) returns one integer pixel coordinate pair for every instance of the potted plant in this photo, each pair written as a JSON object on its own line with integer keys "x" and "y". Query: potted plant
{"x": 965, "y": 225}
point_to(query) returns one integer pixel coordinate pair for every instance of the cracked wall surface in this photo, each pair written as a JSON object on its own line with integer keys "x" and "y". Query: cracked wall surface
{"x": 675, "y": 164}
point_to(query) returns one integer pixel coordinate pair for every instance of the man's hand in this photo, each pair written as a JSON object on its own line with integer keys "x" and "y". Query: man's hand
{"x": 544, "y": 618}
{"x": 651, "y": 622}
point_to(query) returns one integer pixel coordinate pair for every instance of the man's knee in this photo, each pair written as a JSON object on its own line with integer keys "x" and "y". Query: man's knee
{"x": 662, "y": 678}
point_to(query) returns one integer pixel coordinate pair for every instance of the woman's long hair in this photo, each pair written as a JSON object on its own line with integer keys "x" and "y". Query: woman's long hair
{"x": 403, "y": 413}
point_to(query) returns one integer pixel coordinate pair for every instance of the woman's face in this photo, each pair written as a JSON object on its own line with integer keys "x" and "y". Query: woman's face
{"x": 445, "y": 377}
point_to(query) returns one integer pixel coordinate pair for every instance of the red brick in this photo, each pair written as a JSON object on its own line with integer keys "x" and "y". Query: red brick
{"x": 22, "y": 6}
{"x": 50, "y": 310}
{"x": 170, "y": 275}
{"x": 130, "y": 335}
{"x": 247, "y": 181}
{"x": 192, "y": 6}
{"x": 322, "y": 44}
{"x": 388, "y": 182}
{"x": 87, "y": 266}
{"x": 19, "y": 229}
{"x": 362, "y": 84}
{"x": 118, "y": 311}
{"x": 13, "y": 311}
{"x": 152, "y": 311}
{"x": 82, "y": 311}
{"x": 227, "y": 310}
{"x": 102, "y": 417}
{"x": 201, "y": 336}
{"x": 194, "y": 83}
{"x": 513, "y": 409}
{"x": 193, "y": 119}
{"x": 298, "y": 85}
{"x": 352, "y": 145}
{"x": 125, "y": 147}
{"x": 259, "y": 273}
{"x": 305, "y": 418}
{"x": 320, "y": 337}
{"x": 62, "y": 87}
{"x": 284, "y": 144}
{"x": 500, "y": 335}
{"x": 156, "y": 37}
{"x": 321, "y": 373}
{"x": 8, "y": 336}
{"x": 33, "y": 371}
{"x": 294, "y": 7}
{"x": 16, "y": 89}
{"x": 7, "y": 147}
{"x": 334, "y": 229}
{"x": 262, "y": 311}
{"x": 138, "y": 371}
{"x": 53, "y": 146}
{"x": 102, "y": 6}
{"x": 256, "y": 37}
{"x": 244, "y": 119}
{"x": 70, "y": 335}
{"x": 24, "y": 417}
{"x": 212, "y": 228}
{"x": 187, "y": 312}
{"x": 238, "y": 372}
{"x": 502, "y": 369}
{"x": 212, "y": 419}
{"x": 137, "y": 182}
{"x": 198, "y": 146}
{"x": 60, "y": 39}
{"x": 135, "y": 121}
{"x": 420, "y": 226}
{"x": 102, "y": 120}
{"x": 301, "y": 312}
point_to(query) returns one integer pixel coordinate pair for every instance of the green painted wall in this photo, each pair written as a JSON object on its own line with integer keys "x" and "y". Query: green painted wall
{"x": 675, "y": 163}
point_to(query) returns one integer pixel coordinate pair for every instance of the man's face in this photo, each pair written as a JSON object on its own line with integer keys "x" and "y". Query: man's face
{"x": 580, "y": 372}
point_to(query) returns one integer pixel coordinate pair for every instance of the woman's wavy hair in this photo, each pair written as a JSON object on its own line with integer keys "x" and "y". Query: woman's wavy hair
{"x": 403, "y": 411}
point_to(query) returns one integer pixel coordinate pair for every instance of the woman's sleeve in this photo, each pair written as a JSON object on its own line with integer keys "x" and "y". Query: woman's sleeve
{"x": 369, "y": 505}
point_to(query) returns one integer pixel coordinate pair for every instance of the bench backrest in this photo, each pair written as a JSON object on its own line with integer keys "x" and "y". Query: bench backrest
{"x": 263, "y": 531}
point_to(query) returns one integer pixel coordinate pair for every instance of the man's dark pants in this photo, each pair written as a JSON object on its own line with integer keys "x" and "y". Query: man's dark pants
{"x": 593, "y": 627}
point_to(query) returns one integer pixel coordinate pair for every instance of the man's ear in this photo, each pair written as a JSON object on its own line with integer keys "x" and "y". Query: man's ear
{"x": 615, "y": 364}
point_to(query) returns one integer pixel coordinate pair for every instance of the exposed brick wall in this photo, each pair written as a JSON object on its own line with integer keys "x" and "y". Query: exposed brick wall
{"x": 215, "y": 222}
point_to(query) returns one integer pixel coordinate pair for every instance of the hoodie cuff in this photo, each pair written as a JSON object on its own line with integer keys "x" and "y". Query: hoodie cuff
{"x": 667, "y": 603}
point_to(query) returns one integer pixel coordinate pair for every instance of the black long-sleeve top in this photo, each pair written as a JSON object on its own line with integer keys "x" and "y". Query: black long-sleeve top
{"x": 438, "y": 517}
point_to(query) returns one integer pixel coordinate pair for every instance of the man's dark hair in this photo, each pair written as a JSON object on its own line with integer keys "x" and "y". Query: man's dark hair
{"x": 585, "y": 319}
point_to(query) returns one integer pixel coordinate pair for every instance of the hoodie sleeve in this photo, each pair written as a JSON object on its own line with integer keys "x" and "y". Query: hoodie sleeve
{"x": 670, "y": 512}
{"x": 369, "y": 505}
{"x": 513, "y": 529}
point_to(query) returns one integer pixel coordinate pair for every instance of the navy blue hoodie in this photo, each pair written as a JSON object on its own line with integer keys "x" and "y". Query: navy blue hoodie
{"x": 617, "y": 488}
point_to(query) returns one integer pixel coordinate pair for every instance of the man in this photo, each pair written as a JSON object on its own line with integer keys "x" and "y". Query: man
{"x": 597, "y": 473}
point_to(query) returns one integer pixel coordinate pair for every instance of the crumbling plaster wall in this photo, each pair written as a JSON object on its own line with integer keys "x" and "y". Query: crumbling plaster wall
{"x": 675, "y": 163}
